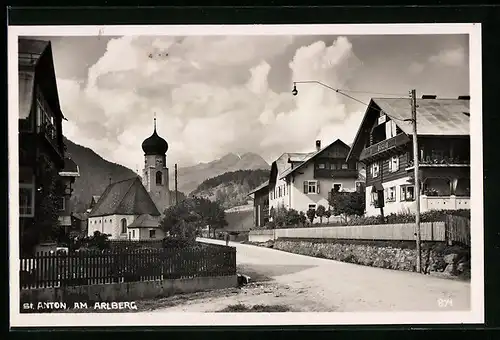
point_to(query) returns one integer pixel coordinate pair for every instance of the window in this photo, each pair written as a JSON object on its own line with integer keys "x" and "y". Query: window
{"x": 312, "y": 207}
{"x": 407, "y": 193}
{"x": 345, "y": 166}
{"x": 61, "y": 203}
{"x": 390, "y": 129}
{"x": 374, "y": 170}
{"x": 279, "y": 191}
{"x": 124, "y": 226}
{"x": 26, "y": 200}
{"x": 133, "y": 233}
{"x": 321, "y": 166}
{"x": 394, "y": 164}
{"x": 333, "y": 166}
{"x": 390, "y": 194}
{"x": 311, "y": 187}
{"x": 152, "y": 233}
{"x": 158, "y": 178}
{"x": 337, "y": 187}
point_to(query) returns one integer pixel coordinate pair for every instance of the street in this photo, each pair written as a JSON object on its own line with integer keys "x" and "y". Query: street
{"x": 312, "y": 284}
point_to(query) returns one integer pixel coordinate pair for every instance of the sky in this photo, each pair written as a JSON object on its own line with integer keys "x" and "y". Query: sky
{"x": 218, "y": 94}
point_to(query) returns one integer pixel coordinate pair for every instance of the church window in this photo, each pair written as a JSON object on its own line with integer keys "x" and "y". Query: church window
{"x": 158, "y": 178}
{"x": 124, "y": 226}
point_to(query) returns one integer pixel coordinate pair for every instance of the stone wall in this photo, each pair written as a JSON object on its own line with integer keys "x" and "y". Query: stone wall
{"x": 437, "y": 257}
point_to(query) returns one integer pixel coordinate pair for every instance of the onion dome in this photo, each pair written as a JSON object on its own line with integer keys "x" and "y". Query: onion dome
{"x": 154, "y": 144}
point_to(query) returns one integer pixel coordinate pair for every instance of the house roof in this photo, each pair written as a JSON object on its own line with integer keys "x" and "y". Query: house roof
{"x": 30, "y": 51}
{"x": 260, "y": 187}
{"x": 434, "y": 116}
{"x": 127, "y": 197}
{"x": 70, "y": 169}
{"x": 309, "y": 158}
{"x": 80, "y": 216}
{"x": 146, "y": 221}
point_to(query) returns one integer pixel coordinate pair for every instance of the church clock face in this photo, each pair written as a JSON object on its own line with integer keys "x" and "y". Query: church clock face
{"x": 159, "y": 161}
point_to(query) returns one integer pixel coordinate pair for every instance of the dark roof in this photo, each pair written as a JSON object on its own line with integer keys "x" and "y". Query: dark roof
{"x": 80, "y": 216}
{"x": 127, "y": 197}
{"x": 260, "y": 187}
{"x": 154, "y": 144}
{"x": 70, "y": 168}
{"x": 435, "y": 117}
{"x": 146, "y": 221}
{"x": 310, "y": 157}
{"x": 30, "y": 51}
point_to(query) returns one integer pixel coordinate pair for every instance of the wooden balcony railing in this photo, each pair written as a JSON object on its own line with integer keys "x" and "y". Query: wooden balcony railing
{"x": 384, "y": 146}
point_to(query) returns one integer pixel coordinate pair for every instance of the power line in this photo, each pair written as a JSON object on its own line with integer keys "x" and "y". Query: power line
{"x": 340, "y": 91}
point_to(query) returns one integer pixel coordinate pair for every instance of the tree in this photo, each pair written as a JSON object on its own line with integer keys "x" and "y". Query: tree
{"x": 302, "y": 218}
{"x": 311, "y": 214}
{"x": 182, "y": 221}
{"x": 346, "y": 204}
{"x": 320, "y": 212}
{"x": 328, "y": 214}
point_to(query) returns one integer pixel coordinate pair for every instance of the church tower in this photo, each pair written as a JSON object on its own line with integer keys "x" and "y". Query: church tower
{"x": 155, "y": 172}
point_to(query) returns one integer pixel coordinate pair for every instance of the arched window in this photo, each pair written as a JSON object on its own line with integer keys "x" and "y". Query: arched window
{"x": 158, "y": 177}
{"x": 124, "y": 226}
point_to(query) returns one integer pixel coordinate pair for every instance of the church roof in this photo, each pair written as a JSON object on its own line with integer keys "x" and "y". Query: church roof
{"x": 127, "y": 197}
{"x": 146, "y": 221}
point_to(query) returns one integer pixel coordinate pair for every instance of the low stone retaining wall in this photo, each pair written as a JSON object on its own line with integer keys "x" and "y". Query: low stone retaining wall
{"x": 130, "y": 291}
{"x": 400, "y": 255}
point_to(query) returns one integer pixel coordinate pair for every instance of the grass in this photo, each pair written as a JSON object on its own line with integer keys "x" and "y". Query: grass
{"x": 238, "y": 308}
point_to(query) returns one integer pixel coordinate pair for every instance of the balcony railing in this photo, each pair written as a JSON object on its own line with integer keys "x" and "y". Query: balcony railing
{"x": 384, "y": 146}
{"x": 441, "y": 161}
{"x": 50, "y": 133}
{"x": 335, "y": 173}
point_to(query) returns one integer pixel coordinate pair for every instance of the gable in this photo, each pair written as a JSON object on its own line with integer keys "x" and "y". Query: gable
{"x": 128, "y": 197}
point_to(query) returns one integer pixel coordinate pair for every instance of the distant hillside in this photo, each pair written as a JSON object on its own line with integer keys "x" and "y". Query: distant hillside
{"x": 95, "y": 174}
{"x": 190, "y": 177}
{"x": 231, "y": 188}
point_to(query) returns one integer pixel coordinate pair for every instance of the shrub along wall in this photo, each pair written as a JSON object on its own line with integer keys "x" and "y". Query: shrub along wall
{"x": 399, "y": 255}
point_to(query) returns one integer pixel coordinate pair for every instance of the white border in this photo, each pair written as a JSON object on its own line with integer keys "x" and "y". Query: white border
{"x": 475, "y": 315}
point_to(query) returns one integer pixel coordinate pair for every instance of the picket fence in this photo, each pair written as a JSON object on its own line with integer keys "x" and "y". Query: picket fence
{"x": 75, "y": 269}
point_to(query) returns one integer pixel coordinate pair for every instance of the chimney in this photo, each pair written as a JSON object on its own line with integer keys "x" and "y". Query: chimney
{"x": 429, "y": 96}
{"x": 318, "y": 145}
{"x": 464, "y": 97}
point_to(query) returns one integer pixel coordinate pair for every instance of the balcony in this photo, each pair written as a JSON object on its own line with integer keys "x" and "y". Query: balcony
{"x": 384, "y": 147}
{"x": 440, "y": 162}
{"x": 49, "y": 133}
{"x": 444, "y": 202}
{"x": 335, "y": 173}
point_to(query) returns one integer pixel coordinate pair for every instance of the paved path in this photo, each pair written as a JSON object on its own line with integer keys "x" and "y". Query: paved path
{"x": 339, "y": 286}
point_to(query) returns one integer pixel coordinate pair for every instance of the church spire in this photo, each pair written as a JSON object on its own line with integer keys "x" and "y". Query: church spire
{"x": 155, "y": 121}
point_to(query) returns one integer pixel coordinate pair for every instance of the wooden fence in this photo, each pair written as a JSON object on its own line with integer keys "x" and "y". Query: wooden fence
{"x": 55, "y": 270}
{"x": 458, "y": 229}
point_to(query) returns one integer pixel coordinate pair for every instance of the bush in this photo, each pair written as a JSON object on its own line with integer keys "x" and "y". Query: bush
{"x": 428, "y": 216}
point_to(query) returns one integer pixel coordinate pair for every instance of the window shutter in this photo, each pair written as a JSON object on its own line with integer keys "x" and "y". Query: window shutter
{"x": 317, "y": 187}
{"x": 306, "y": 187}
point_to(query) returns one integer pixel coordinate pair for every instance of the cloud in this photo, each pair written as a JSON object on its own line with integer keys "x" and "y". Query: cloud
{"x": 450, "y": 57}
{"x": 416, "y": 68}
{"x": 211, "y": 96}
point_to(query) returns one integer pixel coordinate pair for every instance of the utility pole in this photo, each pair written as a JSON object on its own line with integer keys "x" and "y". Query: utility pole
{"x": 416, "y": 175}
{"x": 175, "y": 180}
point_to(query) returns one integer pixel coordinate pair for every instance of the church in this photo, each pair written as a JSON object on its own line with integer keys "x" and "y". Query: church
{"x": 132, "y": 209}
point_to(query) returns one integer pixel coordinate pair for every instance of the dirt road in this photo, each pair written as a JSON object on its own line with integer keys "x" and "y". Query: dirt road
{"x": 310, "y": 284}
